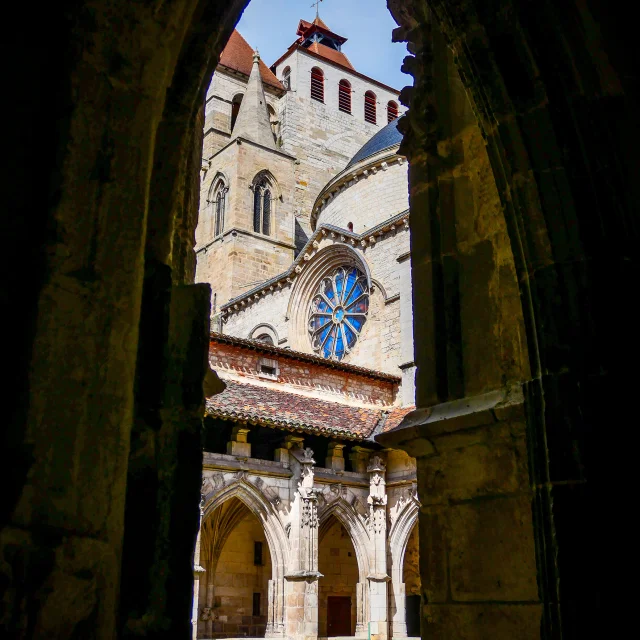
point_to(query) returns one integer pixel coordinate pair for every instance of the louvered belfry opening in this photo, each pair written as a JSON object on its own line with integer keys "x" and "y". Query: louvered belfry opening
{"x": 344, "y": 96}
{"x": 317, "y": 84}
{"x": 370, "y": 107}
{"x": 392, "y": 111}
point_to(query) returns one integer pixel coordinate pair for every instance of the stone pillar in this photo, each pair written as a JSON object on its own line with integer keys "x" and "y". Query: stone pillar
{"x": 378, "y": 578}
{"x": 275, "y": 611}
{"x": 238, "y": 446}
{"x": 359, "y": 457}
{"x": 197, "y": 572}
{"x": 478, "y": 563}
{"x": 335, "y": 459}
{"x": 301, "y": 588}
{"x": 290, "y": 442}
{"x": 362, "y": 630}
{"x": 399, "y": 609}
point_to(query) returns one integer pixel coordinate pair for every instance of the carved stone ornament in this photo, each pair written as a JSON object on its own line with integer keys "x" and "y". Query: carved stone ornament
{"x": 376, "y": 464}
{"x": 309, "y": 510}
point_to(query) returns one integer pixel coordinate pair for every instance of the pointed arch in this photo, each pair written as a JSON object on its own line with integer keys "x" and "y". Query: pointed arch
{"x": 349, "y": 518}
{"x": 217, "y": 203}
{"x": 265, "y": 193}
{"x": 266, "y": 513}
{"x": 263, "y": 509}
{"x": 399, "y": 537}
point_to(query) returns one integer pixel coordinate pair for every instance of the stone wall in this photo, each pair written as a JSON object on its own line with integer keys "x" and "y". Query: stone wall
{"x": 106, "y": 311}
{"x": 381, "y": 343}
{"x": 338, "y": 564}
{"x": 335, "y": 136}
{"x": 248, "y": 258}
{"x": 370, "y": 201}
{"x": 303, "y": 377}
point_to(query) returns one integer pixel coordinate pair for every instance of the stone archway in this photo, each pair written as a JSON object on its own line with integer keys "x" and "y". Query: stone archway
{"x": 352, "y": 522}
{"x": 399, "y": 535}
{"x": 277, "y": 541}
{"x": 117, "y": 182}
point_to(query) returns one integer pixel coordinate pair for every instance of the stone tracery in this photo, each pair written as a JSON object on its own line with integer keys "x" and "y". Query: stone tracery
{"x": 338, "y": 312}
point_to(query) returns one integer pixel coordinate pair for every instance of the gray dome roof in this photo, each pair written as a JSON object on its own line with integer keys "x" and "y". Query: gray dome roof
{"x": 388, "y": 136}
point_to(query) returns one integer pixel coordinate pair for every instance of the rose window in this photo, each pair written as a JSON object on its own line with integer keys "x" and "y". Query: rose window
{"x": 338, "y": 312}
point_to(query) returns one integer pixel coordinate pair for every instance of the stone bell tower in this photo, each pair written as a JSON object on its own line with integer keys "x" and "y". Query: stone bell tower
{"x": 245, "y": 232}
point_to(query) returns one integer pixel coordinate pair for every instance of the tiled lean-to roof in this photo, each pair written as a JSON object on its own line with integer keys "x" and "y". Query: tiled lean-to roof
{"x": 394, "y": 418}
{"x": 269, "y": 407}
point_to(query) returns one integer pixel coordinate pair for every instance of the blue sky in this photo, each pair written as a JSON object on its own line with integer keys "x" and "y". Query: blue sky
{"x": 270, "y": 25}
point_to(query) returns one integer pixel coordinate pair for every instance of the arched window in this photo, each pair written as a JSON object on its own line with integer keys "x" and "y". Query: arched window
{"x": 235, "y": 108}
{"x": 338, "y": 312}
{"x": 317, "y": 84}
{"x": 344, "y": 96}
{"x": 370, "y": 107}
{"x": 262, "y": 201}
{"x": 392, "y": 110}
{"x": 286, "y": 78}
{"x": 264, "y": 337}
{"x": 219, "y": 204}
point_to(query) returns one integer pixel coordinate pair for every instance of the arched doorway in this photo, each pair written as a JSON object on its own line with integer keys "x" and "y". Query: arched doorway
{"x": 235, "y": 555}
{"x": 411, "y": 580}
{"x": 337, "y": 597}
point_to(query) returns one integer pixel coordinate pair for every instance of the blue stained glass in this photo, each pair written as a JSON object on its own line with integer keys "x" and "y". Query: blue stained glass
{"x": 336, "y": 319}
{"x": 359, "y": 307}
{"x": 328, "y": 347}
{"x": 323, "y": 334}
{"x": 339, "y": 283}
{"x": 355, "y": 293}
{"x": 350, "y": 336}
{"x": 328, "y": 290}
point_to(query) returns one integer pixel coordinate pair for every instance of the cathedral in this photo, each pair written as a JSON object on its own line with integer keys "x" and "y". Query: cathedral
{"x": 308, "y": 524}
{"x": 520, "y": 142}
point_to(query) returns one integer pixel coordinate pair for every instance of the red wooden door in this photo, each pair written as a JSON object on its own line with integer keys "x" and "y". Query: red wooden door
{"x": 338, "y": 616}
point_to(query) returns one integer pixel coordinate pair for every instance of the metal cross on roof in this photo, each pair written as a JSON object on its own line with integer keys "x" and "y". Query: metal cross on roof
{"x": 316, "y": 4}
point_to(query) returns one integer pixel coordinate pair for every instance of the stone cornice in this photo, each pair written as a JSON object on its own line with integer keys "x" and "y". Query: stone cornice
{"x": 416, "y": 431}
{"x": 380, "y": 161}
{"x": 358, "y": 241}
{"x": 245, "y": 232}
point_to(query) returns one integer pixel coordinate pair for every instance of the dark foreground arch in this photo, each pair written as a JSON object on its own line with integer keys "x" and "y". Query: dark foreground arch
{"x": 106, "y": 337}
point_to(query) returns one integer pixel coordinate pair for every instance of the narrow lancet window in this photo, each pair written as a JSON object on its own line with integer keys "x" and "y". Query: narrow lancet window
{"x": 262, "y": 206}
{"x": 256, "y": 209}
{"x": 266, "y": 213}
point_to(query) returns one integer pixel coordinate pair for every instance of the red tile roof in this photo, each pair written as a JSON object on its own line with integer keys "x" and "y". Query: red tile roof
{"x": 330, "y": 54}
{"x": 395, "y": 417}
{"x": 238, "y": 55}
{"x": 271, "y": 407}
